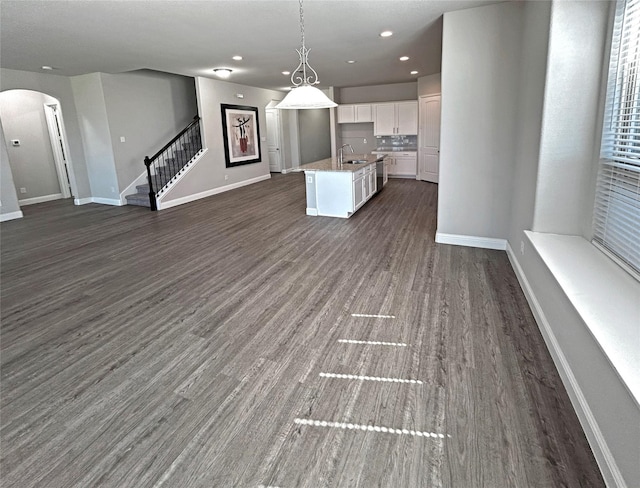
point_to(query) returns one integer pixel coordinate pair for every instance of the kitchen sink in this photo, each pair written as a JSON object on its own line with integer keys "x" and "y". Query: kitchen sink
{"x": 357, "y": 161}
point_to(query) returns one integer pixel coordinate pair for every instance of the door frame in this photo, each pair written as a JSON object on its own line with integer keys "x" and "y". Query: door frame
{"x": 419, "y": 174}
{"x": 64, "y": 168}
{"x": 279, "y": 138}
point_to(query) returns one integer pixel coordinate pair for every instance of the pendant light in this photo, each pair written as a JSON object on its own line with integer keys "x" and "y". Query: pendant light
{"x": 304, "y": 95}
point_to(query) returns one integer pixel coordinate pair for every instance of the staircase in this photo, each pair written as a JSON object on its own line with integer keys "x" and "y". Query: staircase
{"x": 167, "y": 164}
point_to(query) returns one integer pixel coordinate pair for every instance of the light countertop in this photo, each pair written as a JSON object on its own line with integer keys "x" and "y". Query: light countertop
{"x": 394, "y": 149}
{"x": 332, "y": 164}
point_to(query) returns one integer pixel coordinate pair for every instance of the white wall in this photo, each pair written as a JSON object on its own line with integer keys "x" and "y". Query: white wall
{"x": 58, "y": 87}
{"x": 96, "y": 136}
{"x": 377, "y": 93}
{"x": 429, "y": 85}
{"x": 571, "y": 126}
{"x": 209, "y": 174}
{"x": 32, "y": 163}
{"x": 148, "y": 109}
{"x": 533, "y": 70}
{"x": 480, "y": 76}
{"x": 9, "y": 208}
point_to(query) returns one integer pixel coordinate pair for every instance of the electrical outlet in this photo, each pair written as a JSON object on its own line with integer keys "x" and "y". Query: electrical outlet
{"x": 226, "y": 177}
{"x": 23, "y": 190}
{"x": 123, "y": 139}
{"x": 15, "y": 142}
{"x": 364, "y": 141}
{"x": 522, "y": 247}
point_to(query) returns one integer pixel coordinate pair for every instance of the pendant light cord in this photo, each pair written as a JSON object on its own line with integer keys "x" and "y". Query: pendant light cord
{"x": 302, "y": 23}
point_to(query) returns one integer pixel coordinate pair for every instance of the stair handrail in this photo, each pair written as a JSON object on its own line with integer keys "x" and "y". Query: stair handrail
{"x": 149, "y": 161}
{"x": 168, "y": 144}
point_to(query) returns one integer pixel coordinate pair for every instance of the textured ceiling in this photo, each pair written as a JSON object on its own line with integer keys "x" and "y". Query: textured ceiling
{"x": 193, "y": 37}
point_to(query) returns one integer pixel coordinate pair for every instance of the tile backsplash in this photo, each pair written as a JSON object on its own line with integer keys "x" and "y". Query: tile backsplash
{"x": 397, "y": 141}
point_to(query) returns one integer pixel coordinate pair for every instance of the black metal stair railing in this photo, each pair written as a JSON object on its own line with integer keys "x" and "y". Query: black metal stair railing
{"x": 163, "y": 166}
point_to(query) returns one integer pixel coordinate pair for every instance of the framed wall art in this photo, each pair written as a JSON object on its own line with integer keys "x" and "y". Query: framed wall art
{"x": 241, "y": 134}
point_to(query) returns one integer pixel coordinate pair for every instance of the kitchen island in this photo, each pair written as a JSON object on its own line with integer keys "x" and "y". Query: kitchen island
{"x": 337, "y": 189}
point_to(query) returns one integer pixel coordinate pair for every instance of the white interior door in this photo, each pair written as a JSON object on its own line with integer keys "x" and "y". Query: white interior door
{"x": 59, "y": 146}
{"x": 429, "y": 139}
{"x": 274, "y": 132}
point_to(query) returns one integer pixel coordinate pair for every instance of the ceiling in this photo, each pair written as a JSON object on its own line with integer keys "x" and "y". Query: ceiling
{"x": 192, "y": 37}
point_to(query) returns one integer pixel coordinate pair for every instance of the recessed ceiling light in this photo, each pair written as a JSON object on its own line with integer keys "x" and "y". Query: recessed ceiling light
{"x": 386, "y": 34}
{"x": 404, "y": 58}
{"x": 237, "y": 58}
{"x": 286, "y": 73}
{"x": 222, "y": 72}
{"x": 48, "y": 68}
{"x": 351, "y": 61}
{"x": 414, "y": 72}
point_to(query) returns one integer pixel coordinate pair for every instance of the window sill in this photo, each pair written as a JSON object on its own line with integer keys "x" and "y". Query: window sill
{"x": 606, "y": 297}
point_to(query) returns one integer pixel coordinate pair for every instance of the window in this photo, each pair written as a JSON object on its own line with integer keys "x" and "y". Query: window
{"x": 616, "y": 221}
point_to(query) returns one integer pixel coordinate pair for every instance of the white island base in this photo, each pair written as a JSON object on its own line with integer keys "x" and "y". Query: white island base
{"x": 335, "y": 190}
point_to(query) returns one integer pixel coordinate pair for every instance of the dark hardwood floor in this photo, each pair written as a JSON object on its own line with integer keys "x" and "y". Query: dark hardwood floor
{"x": 213, "y": 345}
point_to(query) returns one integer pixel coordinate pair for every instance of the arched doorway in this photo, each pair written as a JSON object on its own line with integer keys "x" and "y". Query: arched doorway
{"x": 33, "y": 129}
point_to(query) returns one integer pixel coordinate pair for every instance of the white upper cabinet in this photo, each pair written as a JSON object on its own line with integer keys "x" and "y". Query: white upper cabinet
{"x": 350, "y": 114}
{"x": 399, "y": 118}
{"x": 364, "y": 113}
{"x": 407, "y": 118}
{"x": 385, "y": 119}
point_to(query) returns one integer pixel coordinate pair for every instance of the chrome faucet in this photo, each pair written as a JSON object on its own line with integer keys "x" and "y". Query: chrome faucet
{"x": 341, "y": 152}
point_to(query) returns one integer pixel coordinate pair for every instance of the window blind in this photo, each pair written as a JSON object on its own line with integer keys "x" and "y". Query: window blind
{"x": 616, "y": 221}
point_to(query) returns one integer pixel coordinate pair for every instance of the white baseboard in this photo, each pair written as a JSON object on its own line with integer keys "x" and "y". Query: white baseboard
{"x": 610, "y": 471}
{"x": 181, "y": 174}
{"x": 45, "y": 198}
{"x": 131, "y": 189}
{"x": 162, "y": 205}
{"x": 287, "y": 170}
{"x": 471, "y": 241}
{"x": 312, "y": 211}
{"x": 104, "y": 201}
{"x": 11, "y": 216}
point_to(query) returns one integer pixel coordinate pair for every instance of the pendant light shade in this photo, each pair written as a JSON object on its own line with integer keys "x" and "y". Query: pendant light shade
{"x": 304, "y": 95}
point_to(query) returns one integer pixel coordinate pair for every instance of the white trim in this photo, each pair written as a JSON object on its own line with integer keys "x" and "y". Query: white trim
{"x": 312, "y": 211}
{"x": 616, "y": 259}
{"x": 107, "y": 201}
{"x": 11, "y": 216}
{"x": 162, "y": 205}
{"x": 287, "y": 170}
{"x": 131, "y": 189}
{"x": 50, "y": 110}
{"x": 471, "y": 241}
{"x": 42, "y": 199}
{"x": 601, "y": 452}
{"x": 103, "y": 201}
{"x": 181, "y": 174}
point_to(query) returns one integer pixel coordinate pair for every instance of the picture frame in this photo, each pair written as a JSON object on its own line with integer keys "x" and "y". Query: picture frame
{"x": 241, "y": 134}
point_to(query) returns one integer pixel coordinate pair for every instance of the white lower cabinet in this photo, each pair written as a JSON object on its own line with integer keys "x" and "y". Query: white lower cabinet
{"x": 402, "y": 164}
{"x": 340, "y": 193}
{"x": 364, "y": 186}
